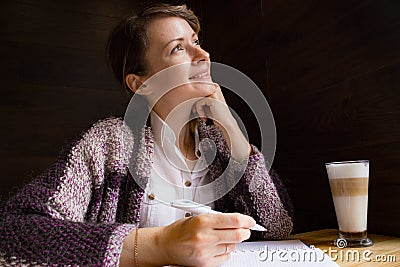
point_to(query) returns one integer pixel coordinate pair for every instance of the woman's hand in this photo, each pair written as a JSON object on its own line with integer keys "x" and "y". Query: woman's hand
{"x": 196, "y": 241}
{"x": 214, "y": 107}
{"x": 202, "y": 240}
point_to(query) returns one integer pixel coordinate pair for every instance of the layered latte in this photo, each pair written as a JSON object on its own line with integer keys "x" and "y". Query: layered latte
{"x": 349, "y": 186}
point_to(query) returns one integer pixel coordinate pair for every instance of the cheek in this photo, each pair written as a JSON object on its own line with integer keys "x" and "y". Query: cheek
{"x": 173, "y": 66}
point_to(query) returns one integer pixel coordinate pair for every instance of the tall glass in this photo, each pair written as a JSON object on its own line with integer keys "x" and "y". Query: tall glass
{"x": 349, "y": 186}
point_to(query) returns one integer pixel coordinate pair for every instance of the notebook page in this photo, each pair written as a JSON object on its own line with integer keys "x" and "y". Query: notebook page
{"x": 277, "y": 253}
{"x": 280, "y": 244}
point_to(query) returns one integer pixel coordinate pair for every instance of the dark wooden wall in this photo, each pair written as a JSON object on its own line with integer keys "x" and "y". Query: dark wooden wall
{"x": 334, "y": 69}
{"x": 54, "y": 80}
{"x": 328, "y": 68}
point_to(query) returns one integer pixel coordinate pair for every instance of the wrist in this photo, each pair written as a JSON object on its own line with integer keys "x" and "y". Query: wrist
{"x": 151, "y": 251}
{"x": 160, "y": 241}
{"x": 144, "y": 248}
{"x": 231, "y": 125}
{"x": 237, "y": 142}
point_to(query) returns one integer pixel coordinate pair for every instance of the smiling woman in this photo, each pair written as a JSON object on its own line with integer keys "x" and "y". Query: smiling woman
{"x": 105, "y": 201}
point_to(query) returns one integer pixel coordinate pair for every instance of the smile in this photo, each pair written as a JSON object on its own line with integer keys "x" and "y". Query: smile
{"x": 201, "y": 75}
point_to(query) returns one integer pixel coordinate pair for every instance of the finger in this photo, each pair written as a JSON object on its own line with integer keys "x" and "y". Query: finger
{"x": 217, "y": 105}
{"x": 208, "y": 100}
{"x": 232, "y": 220}
{"x": 225, "y": 248}
{"x": 218, "y": 93}
{"x": 200, "y": 109}
{"x": 232, "y": 235}
{"x": 208, "y": 106}
{"x": 213, "y": 103}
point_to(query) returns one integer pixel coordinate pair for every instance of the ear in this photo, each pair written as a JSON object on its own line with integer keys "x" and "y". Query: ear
{"x": 133, "y": 82}
{"x": 136, "y": 84}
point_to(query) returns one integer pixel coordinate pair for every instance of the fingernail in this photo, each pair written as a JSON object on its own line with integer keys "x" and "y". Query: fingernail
{"x": 248, "y": 235}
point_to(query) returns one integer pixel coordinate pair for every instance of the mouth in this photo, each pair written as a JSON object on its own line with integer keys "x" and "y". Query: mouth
{"x": 202, "y": 75}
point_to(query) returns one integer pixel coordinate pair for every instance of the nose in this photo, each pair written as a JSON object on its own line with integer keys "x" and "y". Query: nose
{"x": 200, "y": 55}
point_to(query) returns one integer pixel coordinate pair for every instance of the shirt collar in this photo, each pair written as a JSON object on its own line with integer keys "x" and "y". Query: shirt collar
{"x": 162, "y": 132}
{"x": 165, "y": 137}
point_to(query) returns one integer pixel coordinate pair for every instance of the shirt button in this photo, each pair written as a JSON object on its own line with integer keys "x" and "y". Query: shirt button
{"x": 152, "y": 196}
{"x": 188, "y": 183}
{"x": 187, "y": 214}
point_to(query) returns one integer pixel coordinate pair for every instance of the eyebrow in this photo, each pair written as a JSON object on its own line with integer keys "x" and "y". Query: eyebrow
{"x": 177, "y": 39}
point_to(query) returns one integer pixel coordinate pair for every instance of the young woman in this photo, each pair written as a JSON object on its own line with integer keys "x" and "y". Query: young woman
{"x": 101, "y": 203}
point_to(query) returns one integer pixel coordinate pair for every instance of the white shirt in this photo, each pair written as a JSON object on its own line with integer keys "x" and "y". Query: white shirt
{"x": 170, "y": 177}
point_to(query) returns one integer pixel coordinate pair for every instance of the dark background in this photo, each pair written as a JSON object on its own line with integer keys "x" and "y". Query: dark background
{"x": 329, "y": 69}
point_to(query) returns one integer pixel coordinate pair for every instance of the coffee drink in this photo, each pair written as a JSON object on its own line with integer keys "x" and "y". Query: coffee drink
{"x": 350, "y": 197}
{"x": 349, "y": 186}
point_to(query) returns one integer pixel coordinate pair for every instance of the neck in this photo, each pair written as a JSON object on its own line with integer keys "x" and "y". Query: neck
{"x": 179, "y": 122}
{"x": 186, "y": 143}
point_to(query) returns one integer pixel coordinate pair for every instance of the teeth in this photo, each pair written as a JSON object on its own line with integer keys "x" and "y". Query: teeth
{"x": 202, "y": 75}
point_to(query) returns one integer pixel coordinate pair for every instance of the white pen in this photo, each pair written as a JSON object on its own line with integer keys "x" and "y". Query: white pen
{"x": 197, "y": 208}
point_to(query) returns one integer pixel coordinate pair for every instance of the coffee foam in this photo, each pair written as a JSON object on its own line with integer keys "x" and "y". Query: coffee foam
{"x": 348, "y": 170}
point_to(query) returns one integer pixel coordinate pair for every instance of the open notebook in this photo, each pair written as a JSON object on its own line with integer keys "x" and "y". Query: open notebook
{"x": 277, "y": 253}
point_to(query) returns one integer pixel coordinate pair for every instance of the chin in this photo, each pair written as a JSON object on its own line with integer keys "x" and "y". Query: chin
{"x": 203, "y": 88}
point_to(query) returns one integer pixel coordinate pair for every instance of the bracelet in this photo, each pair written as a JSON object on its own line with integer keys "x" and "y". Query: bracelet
{"x": 135, "y": 248}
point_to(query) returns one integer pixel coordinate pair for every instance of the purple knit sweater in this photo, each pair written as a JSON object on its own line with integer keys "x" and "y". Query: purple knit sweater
{"x": 80, "y": 210}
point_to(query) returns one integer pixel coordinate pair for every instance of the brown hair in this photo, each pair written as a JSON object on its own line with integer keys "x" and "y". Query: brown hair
{"x": 128, "y": 41}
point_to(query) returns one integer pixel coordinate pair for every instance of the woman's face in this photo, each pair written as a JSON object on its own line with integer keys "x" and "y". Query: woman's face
{"x": 172, "y": 42}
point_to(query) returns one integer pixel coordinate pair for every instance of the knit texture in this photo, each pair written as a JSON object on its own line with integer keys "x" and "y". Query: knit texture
{"x": 81, "y": 209}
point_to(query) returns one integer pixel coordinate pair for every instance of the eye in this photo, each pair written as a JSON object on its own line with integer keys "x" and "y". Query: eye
{"x": 177, "y": 48}
{"x": 196, "y": 42}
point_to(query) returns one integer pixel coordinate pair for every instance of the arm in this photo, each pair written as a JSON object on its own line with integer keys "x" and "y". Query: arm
{"x": 53, "y": 220}
{"x": 271, "y": 205}
{"x": 194, "y": 241}
{"x": 45, "y": 222}
{"x": 258, "y": 193}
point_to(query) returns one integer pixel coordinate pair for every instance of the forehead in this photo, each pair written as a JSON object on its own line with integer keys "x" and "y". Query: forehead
{"x": 162, "y": 30}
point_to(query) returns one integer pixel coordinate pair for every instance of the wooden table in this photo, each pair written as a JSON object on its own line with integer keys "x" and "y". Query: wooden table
{"x": 384, "y": 252}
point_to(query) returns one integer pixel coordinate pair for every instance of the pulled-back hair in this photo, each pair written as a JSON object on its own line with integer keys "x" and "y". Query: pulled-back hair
{"x": 127, "y": 43}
